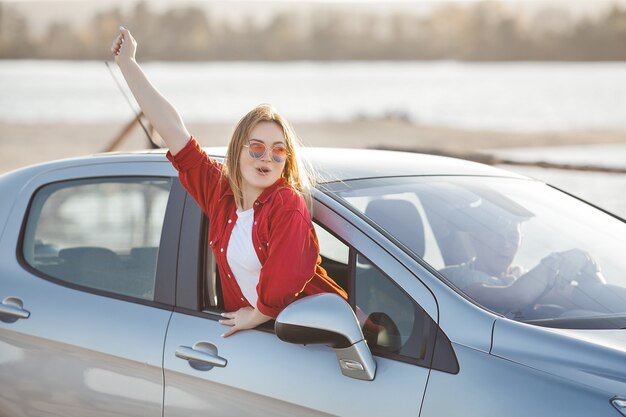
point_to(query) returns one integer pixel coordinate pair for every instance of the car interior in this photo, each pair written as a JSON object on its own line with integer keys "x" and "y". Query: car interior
{"x": 101, "y": 268}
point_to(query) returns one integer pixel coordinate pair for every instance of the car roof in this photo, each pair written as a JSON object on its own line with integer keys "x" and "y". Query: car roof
{"x": 329, "y": 164}
{"x": 346, "y": 164}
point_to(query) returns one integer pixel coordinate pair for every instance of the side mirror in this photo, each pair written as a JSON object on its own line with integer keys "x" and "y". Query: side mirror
{"x": 328, "y": 319}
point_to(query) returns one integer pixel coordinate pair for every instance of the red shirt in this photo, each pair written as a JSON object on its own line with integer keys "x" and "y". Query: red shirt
{"x": 282, "y": 234}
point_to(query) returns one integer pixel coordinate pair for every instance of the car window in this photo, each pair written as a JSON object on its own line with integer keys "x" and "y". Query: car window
{"x": 392, "y": 323}
{"x": 402, "y": 214}
{"x": 335, "y": 256}
{"x": 98, "y": 233}
{"x": 515, "y": 246}
{"x": 333, "y": 252}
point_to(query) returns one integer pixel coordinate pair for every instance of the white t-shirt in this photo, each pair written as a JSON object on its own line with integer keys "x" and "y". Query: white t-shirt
{"x": 242, "y": 257}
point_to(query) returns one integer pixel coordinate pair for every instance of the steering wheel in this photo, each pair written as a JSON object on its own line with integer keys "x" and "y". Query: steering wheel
{"x": 562, "y": 271}
{"x": 578, "y": 266}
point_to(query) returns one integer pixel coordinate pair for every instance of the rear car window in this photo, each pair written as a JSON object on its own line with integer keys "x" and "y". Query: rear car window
{"x": 102, "y": 234}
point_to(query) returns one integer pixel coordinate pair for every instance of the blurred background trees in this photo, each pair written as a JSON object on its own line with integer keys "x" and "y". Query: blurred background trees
{"x": 477, "y": 32}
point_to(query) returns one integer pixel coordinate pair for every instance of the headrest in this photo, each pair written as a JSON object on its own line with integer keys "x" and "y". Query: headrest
{"x": 93, "y": 256}
{"x": 401, "y": 219}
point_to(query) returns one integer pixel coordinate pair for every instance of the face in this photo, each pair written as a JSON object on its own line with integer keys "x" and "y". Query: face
{"x": 260, "y": 173}
{"x": 495, "y": 250}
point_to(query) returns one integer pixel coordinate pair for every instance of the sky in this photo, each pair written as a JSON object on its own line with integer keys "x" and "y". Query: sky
{"x": 61, "y": 7}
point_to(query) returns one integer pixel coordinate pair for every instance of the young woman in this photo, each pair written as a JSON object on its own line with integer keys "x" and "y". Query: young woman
{"x": 261, "y": 233}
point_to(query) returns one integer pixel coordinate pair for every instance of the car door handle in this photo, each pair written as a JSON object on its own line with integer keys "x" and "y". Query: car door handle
{"x": 202, "y": 356}
{"x": 12, "y": 308}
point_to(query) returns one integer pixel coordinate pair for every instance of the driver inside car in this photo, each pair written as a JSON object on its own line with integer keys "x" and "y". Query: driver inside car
{"x": 492, "y": 278}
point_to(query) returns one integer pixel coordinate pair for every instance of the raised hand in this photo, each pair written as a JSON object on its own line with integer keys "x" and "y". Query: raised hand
{"x": 124, "y": 45}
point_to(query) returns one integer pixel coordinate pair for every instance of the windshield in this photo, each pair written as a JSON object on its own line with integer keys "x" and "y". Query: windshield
{"x": 517, "y": 247}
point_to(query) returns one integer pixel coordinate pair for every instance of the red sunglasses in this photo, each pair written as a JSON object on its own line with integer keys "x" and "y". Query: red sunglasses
{"x": 257, "y": 150}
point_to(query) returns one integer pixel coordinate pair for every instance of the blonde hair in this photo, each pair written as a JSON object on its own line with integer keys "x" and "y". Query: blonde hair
{"x": 295, "y": 172}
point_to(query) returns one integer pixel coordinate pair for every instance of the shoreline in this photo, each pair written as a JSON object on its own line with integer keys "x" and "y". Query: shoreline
{"x": 25, "y": 144}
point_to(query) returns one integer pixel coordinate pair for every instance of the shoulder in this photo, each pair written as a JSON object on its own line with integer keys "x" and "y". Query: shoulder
{"x": 289, "y": 199}
{"x": 286, "y": 203}
{"x": 192, "y": 155}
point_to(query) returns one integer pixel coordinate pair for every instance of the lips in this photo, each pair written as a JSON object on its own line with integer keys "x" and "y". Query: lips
{"x": 263, "y": 171}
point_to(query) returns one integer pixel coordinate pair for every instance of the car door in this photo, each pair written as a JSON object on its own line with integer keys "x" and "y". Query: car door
{"x": 85, "y": 300}
{"x": 254, "y": 373}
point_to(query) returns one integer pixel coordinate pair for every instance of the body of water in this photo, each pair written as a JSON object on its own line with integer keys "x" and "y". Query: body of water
{"x": 502, "y": 96}
{"x": 605, "y": 190}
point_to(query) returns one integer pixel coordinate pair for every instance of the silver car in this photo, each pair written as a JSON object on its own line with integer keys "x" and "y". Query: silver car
{"x": 473, "y": 291}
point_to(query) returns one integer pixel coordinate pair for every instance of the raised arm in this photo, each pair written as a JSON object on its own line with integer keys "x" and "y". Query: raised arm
{"x": 155, "y": 107}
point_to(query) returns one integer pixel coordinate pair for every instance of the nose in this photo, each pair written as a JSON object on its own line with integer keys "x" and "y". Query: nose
{"x": 266, "y": 155}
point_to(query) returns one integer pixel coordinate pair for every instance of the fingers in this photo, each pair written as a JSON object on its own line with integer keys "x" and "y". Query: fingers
{"x": 229, "y": 321}
{"x": 122, "y": 37}
{"x": 117, "y": 44}
{"x": 229, "y": 318}
{"x": 238, "y": 320}
{"x": 126, "y": 36}
{"x": 230, "y": 331}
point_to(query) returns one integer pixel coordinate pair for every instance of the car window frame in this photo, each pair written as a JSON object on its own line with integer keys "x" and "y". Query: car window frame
{"x": 191, "y": 291}
{"x": 443, "y": 356}
{"x": 168, "y": 244}
{"x": 435, "y": 337}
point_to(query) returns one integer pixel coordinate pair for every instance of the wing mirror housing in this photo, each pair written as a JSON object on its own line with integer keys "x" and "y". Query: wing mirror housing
{"x": 328, "y": 319}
